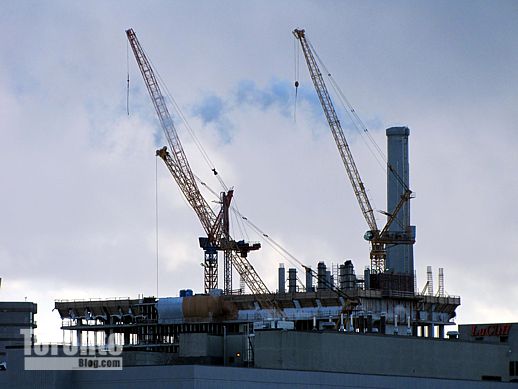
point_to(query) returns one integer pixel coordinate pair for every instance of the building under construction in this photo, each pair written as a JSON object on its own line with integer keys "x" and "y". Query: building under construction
{"x": 374, "y": 313}
{"x": 333, "y": 299}
{"x": 324, "y": 326}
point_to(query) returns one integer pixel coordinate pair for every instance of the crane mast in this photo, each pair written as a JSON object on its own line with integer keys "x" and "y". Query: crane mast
{"x": 378, "y": 239}
{"x": 216, "y": 226}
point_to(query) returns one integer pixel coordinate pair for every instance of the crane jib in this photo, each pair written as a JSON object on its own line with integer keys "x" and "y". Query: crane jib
{"x": 378, "y": 251}
{"x": 178, "y": 165}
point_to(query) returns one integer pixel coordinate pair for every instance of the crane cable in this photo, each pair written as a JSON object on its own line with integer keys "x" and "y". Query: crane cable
{"x": 358, "y": 124}
{"x": 363, "y": 128}
{"x": 196, "y": 140}
{"x": 239, "y": 221}
{"x": 156, "y": 225}
{"x": 128, "y": 78}
{"x": 296, "y": 75}
{"x": 355, "y": 119}
{"x": 190, "y": 130}
{"x": 276, "y": 246}
{"x": 290, "y": 258}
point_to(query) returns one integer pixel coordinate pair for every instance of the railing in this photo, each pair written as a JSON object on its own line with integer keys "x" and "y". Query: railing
{"x": 92, "y": 299}
{"x": 320, "y": 314}
{"x": 448, "y": 299}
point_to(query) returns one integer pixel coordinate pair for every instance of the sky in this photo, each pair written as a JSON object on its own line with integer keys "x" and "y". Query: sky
{"x": 80, "y": 180}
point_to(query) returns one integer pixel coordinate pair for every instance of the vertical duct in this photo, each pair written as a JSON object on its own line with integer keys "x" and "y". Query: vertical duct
{"x": 350, "y": 277}
{"x": 441, "y": 282}
{"x": 400, "y": 257}
{"x": 383, "y": 323}
{"x": 369, "y": 322}
{"x": 292, "y": 280}
{"x": 335, "y": 275}
{"x": 429, "y": 280}
{"x": 282, "y": 278}
{"x": 309, "y": 280}
{"x": 341, "y": 278}
{"x": 367, "y": 278}
{"x": 321, "y": 274}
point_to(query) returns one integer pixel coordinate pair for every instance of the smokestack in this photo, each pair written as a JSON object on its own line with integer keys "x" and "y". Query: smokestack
{"x": 350, "y": 277}
{"x": 309, "y": 280}
{"x": 282, "y": 278}
{"x": 367, "y": 278}
{"x": 400, "y": 258}
{"x": 341, "y": 277}
{"x": 292, "y": 280}
{"x": 321, "y": 275}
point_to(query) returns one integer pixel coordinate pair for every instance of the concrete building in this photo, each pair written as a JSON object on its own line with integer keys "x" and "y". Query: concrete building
{"x": 496, "y": 334}
{"x": 284, "y": 358}
{"x": 15, "y": 316}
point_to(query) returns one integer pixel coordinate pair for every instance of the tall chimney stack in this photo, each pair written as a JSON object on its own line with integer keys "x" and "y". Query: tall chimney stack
{"x": 400, "y": 258}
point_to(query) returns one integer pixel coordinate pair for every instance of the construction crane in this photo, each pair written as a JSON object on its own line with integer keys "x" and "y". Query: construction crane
{"x": 378, "y": 239}
{"x": 215, "y": 226}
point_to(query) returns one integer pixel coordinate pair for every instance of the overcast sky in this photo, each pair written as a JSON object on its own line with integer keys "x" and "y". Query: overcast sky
{"x": 77, "y": 203}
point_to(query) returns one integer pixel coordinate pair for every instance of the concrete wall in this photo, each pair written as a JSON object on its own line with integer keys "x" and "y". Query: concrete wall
{"x": 203, "y": 345}
{"x": 374, "y": 354}
{"x": 289, "y": 359}
{"x": 205, "y": 377}
{"x": 200, "y": 345}
{"x": 214, "y": 377}
{"x": 496, "y": 333}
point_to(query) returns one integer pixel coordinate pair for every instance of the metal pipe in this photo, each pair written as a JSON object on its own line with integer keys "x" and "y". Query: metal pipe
{"x": 224, "y": 345}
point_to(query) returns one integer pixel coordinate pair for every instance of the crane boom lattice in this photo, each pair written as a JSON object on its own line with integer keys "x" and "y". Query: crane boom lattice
{"x": 336, "y": 129}
{"x": 178, "y": 165}
{"x": 378, "y": 253}
{"x": 378, "y": 239}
